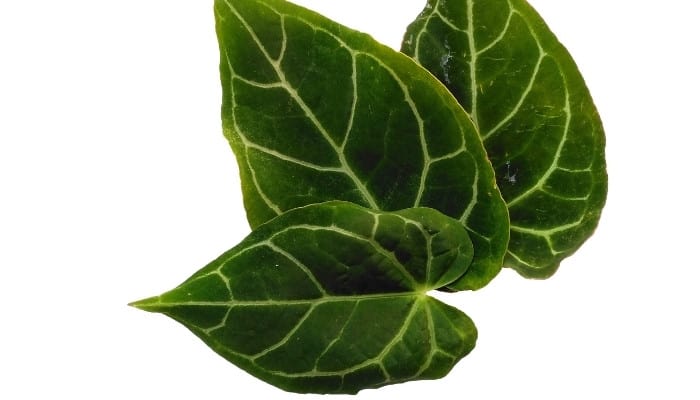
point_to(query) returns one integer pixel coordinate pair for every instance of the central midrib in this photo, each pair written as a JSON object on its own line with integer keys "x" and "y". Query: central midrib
{"x": 316, "y": 301}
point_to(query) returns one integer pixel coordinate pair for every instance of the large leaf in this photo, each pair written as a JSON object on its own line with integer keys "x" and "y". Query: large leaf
{"x": 315, "y": 111}
{"x": 331, "y": 298}
{"x": 535, "y": 115}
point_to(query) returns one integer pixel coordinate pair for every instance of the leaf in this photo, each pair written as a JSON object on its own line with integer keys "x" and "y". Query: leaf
{"x": 535, "y": 115}
{"x": 331, "y": 298}
{"x": 315, "y": 111}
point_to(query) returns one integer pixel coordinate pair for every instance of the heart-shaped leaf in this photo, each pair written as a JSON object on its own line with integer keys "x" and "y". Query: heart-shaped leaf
{"x": 315, "y": 111}
{"x": 535, "y": 115}
{"x": 331, "y": 298}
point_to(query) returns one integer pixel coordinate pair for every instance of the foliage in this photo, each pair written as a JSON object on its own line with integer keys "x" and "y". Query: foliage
{"x": 371, "y": 178}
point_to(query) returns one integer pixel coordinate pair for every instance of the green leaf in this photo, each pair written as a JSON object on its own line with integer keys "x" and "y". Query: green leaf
{"x": 535, "y": 115}
{"x": 331, "y": 298}
{"x": 315, "y": 111}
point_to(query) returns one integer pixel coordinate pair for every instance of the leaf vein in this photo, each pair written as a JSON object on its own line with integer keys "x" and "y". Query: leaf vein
{"x": 288, "y": 336}
{"x": 290, "y": 159}
{"x": 474, "y": 112}
{"x": 501, "y": 35}
{"x": 338, "y": 336}
{"x": 274, "y": 247}
{"x": 545, "y": 176}
{"x": 521, "y": 101}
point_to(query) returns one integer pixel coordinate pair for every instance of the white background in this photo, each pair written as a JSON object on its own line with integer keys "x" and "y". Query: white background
{"x": 116, "y": 184}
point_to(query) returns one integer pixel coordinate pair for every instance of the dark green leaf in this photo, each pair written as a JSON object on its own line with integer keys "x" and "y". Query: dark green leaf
{"x": 535, "y": 115}
{"x": 315, "y": 111}
{"x": 331, "y": 298}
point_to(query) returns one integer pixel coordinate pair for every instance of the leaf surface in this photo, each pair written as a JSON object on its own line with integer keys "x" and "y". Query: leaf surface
{"x": 331, "y": 298}
{"x": 534, "y": 113}
{"x": 315, "y": 112}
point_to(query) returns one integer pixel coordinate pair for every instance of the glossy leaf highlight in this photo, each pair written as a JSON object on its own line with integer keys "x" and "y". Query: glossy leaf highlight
{"x": 331, "y": 298}
{"x": 536, "y": 117}
{"x": 315, "y": 112}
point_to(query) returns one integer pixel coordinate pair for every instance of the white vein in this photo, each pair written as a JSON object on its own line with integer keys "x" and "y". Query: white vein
{"x": 268, "y": 243}
{"x": 226, "y": 280}
{"x": 283, "y": 47}
{"x": 338, "y": 336}
{"x": 587, "y": 169}
{"x": 419, "y": 120}
{"x": 296, "y": 262}
{"x": 567, "y": 198}
{"x": 220, "y": 325}
{"x": 399, "y": 335}
{"x": 429, "y": 263}
{"x": 555, "y": 161}
{"x": 548, "y": 233}
{"x": 433, "y": 343}
{"x": 290, "y": 159}
{"x": 517, "y": 258}
{"x": 286, "y": 337}
{"x": 516, "y": 109}
{"x": 375, "y": 225}
{"x": 472, "y": 202}
{"x": 472, "y": 63}
{"x": 353, "y": 107}
{"x": 261, "y": 85}
{"x": 289, "y": 302}
{"x": 435, "y": 11}
{"x": 499, "y": 38}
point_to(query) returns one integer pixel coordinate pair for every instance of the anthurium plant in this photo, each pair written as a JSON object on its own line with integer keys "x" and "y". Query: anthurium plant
{"x": 371, "y": 177}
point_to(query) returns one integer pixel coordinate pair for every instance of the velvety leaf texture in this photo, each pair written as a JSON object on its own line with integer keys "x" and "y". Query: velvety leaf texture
{"x": 331, "y": 298}
{"x": 315, "y": 112}
{"x": 534, "y": 113}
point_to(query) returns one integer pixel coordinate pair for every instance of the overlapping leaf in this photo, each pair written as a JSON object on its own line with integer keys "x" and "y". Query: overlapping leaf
{"x": 331, "y": 298}
{"x": 315, "y": 111}
{"x": 535, "y": 115}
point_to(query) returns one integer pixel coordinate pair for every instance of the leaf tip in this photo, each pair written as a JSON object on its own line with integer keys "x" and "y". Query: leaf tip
{"x": 151, "y": 304}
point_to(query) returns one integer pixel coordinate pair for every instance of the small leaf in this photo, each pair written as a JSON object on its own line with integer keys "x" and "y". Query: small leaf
{"x": 315, "y": 111}
{"x": 535, "y": 115}
{"x": 331, "y": 298}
